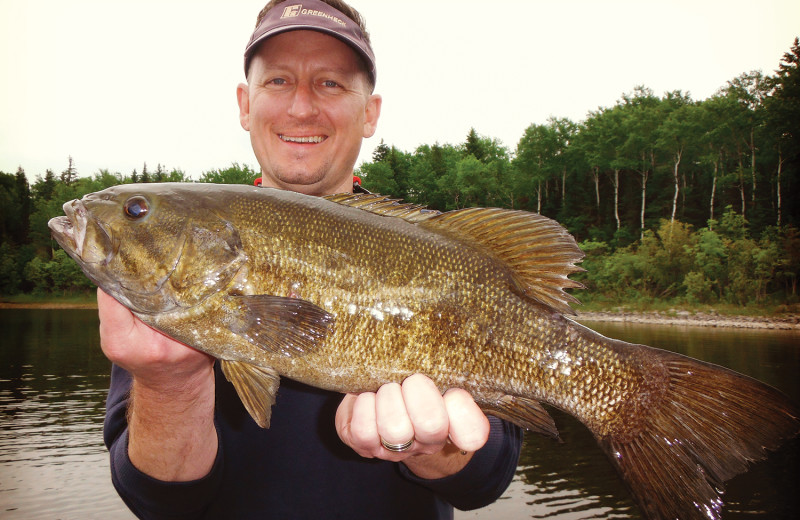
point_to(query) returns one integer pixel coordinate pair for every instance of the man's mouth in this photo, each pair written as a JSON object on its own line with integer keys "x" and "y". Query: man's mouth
{"x": 306, "y": 139}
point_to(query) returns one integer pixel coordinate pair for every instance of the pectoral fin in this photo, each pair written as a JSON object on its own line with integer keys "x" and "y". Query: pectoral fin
{"x": 285, "y": 326}
{"x": 256, "y": 387}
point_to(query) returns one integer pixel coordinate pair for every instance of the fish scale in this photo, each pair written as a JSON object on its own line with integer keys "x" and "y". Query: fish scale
{"x": 349, "y": 292}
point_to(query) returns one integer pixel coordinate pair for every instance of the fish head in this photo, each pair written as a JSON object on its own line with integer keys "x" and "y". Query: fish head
{"x": 153, "y": 247}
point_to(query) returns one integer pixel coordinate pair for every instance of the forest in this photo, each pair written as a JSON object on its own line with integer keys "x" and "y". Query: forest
{"x": 671, "y": 199}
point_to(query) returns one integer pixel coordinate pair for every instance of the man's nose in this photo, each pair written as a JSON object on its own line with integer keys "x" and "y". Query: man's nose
{"x": 304, "y": 103}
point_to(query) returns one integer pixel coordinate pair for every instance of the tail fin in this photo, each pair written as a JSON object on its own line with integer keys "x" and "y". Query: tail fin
{"x": 711, "y": 424}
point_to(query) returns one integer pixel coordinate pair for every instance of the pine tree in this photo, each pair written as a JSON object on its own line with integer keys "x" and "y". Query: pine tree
{"x": 145, "y": 177}
{"x": 381, "y": 152}
{"x": 25, "y": 205}
{"x": 70, "y": 174}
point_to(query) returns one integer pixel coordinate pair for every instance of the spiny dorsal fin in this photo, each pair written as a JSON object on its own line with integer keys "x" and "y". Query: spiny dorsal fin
{"x": 384, "y": 206}
{"x": 540, "y": 251}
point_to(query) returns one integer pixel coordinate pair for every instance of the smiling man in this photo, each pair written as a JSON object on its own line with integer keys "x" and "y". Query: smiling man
{"x": 307, "y": 105}
{"x": 182, "y": 444}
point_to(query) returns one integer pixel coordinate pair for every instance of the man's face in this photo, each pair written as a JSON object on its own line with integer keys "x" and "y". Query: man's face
{"x": 307, "y": 107}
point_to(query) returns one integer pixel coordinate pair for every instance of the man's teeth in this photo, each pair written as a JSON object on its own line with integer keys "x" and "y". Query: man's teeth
{"x": 309, "y": 139}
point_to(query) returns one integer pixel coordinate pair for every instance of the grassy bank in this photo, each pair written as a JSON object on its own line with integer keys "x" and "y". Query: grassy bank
{"x": 676, "y": 308}
{"x": 80, "y": 300}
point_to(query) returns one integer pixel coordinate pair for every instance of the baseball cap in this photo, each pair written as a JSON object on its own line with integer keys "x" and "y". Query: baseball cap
{"x": 311, "y": 15}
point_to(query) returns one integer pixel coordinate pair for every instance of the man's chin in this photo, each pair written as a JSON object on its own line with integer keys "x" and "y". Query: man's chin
{"x": 309, "y": 184}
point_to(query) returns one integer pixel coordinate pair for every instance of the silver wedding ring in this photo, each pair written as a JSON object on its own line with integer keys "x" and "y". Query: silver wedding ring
{"x": 397, "y": 448}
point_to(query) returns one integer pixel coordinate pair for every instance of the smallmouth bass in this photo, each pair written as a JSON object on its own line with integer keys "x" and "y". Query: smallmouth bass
{"x": 348, "y": 292}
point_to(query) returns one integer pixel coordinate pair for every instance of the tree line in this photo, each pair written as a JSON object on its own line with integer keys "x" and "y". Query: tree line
{"x": 670, "y": 197}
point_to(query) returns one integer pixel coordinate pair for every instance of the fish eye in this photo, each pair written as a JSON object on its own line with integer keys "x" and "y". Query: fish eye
{"x": 135, "y": 208}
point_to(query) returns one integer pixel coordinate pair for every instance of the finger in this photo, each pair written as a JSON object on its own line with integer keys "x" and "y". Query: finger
{"x": 113, "y": 315}
{"x": 344, "y": 415}
{"x": 469, "y": 427}
{"x": 426, "y": 410}
{"x": 116, "y": 323}
{"x": 361, "y": 432}
{"x": 394, "y": 425}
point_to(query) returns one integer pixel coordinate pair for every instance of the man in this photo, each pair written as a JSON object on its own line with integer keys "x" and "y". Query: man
{"x": 181, "y": 443}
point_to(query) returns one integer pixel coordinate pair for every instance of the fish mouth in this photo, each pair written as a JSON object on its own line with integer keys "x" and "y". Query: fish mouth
{"x": 63, "y": 232}
{"x": 80, "y": 236}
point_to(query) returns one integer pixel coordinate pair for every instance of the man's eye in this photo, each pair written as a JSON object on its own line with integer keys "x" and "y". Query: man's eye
{"x": 276, "y": 81}
{"x": 330, "y": 83}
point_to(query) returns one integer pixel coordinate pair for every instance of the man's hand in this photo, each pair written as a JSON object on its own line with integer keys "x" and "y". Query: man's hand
{"x": 171, "y": 433}
{"x": 152, "y": 358}
{"x": 446, "y": 429}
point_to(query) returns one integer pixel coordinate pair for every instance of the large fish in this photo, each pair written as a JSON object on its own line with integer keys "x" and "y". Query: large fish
{"x": 349, "y": 292}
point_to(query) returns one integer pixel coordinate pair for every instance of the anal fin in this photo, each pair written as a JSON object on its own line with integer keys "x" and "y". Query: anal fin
{"x": 256, "y": 386}
{"x": 524, "y": 412}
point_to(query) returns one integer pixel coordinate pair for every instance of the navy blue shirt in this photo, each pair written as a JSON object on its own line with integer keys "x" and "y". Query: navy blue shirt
{"x": 299, "y": 468}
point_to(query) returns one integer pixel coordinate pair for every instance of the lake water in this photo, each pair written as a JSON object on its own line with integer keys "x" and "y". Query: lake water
{"x": 53, "y": 465}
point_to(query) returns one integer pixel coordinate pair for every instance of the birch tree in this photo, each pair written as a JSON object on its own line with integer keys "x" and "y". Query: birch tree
{"x": 675, "y": 134}
{"x": 642, "y": 116}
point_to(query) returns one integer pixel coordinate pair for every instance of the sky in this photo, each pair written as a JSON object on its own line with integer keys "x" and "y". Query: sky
{"x": 117, "y": 84}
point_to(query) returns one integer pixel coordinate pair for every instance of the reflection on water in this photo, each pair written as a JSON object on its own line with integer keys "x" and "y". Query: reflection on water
{"x": 53, "y": 381}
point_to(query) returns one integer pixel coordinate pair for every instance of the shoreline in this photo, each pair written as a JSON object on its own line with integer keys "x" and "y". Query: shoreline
{"x": 789, "y": 321}
{"x": 699, "y": 319}
{"x": 48, "y": 305}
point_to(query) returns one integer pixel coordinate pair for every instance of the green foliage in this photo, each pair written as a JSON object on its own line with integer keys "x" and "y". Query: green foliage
{"x": 732, "y": 226}
{"x": 10, "y": 278}
{"x": 705, "y": 266}
{"x": 36, "y": 274}
{"x": 709, "y": 255}
{"x": 378, "y": 177}
{"x": 61, "y": 275}
{"x": 473, "y": 181}
{"x": 14, "y": 207}
{"x": 595, "y": 252}
{"x": 699, "y": 289}
{"x": 234, "y": 174}
{"x": 429, "y": 172}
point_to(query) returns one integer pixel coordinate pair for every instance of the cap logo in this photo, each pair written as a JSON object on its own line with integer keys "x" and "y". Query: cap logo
{"x": 292, "y": 10}
{"x": 297, "y": 9}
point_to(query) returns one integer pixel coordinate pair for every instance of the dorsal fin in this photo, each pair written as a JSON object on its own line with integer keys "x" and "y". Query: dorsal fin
{"x": 385, "y": 206}
{"x": 539, "y": 250}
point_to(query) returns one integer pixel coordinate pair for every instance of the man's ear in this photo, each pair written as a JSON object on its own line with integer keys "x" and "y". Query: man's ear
{"x": 372, "y": 112}
{"x": 243, "y": 97}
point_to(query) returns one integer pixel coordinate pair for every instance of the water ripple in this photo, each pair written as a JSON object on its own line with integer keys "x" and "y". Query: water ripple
{"x": 51, "y": 452}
